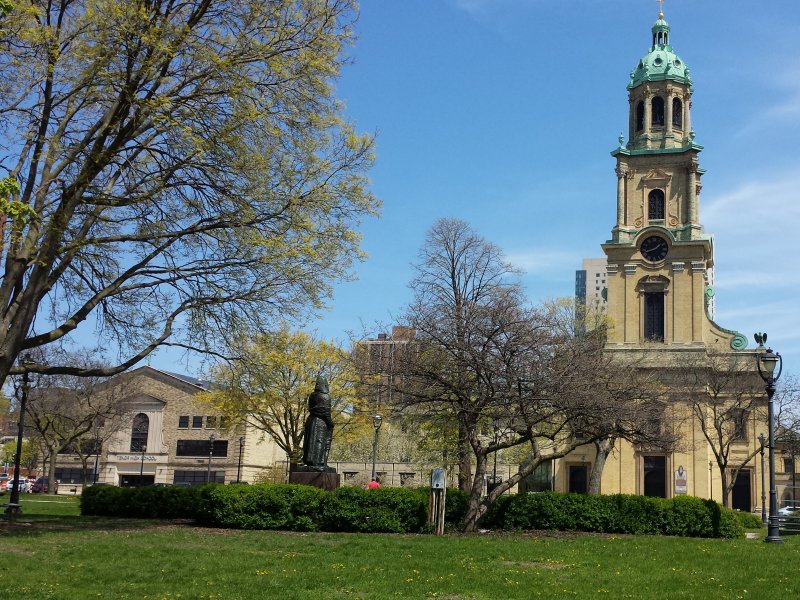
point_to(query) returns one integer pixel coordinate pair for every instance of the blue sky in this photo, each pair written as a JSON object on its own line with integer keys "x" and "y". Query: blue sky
{"x": 503, "y": 113}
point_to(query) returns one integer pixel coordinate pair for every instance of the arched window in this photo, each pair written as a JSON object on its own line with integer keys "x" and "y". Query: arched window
{"x": 640, "y": 116}
{"x": 141, "y": 426}
{"x": 677, "y": 112}
{"x": 655, "y": 205}
{"x": 657, "y": 116}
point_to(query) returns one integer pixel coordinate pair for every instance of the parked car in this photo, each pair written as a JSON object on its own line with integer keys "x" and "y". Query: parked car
{"x": 41, "y": 485}
{"x": 789, "y": 511}
{"x": 24, "y": 484}
{"x": 4, "y": 479}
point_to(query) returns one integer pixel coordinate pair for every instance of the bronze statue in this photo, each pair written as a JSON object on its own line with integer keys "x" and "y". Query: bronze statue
{"x": 318, "y": 431}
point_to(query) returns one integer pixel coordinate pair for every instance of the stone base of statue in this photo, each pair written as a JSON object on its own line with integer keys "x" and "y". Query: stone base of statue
{"x": 328, "y": 479}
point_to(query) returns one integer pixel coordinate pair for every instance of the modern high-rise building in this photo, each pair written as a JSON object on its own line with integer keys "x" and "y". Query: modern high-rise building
{"x": 591, "y": 287}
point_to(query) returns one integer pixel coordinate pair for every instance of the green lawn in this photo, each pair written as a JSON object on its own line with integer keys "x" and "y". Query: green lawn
{"x": 51, "y": 552}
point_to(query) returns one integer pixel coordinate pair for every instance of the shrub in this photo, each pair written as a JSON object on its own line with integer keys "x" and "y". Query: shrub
{"x": 682, "y": 515}
{"x": 267, "y": 506}
{"x": 455, "y": 506}
{"x": 688, "y": 516}
{"x": 146, "y": 502}
{"x": 748, "y": 520}
{"x": 386, "y": 510}
{"x": 399, "y": 510}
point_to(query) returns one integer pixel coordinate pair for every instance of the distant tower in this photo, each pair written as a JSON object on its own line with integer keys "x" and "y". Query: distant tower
{"x": 658, "y": 256}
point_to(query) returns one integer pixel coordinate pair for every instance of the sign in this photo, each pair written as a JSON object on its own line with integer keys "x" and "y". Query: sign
{"x": 681, "y": 480}
{"x": 438, "y": 476}
{"x": 136, "y": 458}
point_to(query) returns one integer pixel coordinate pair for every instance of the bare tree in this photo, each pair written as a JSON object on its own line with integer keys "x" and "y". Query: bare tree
{"x": 173, "y": 169}
{"x": 727, "y": 400}
{"x": 486, "y": 361}
{"x": 74, "y": 414}
{"x": 457, "y": 275}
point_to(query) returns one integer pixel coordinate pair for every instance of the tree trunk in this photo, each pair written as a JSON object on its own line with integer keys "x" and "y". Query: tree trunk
{"x": 475, "y": 508}
{"x": 726, "y": 492}
{"x": 52, "y": 485}
{"x": 604, "y": 448}
{"x": 465, "y": 481}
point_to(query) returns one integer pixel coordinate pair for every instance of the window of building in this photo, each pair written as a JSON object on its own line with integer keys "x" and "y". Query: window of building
{"x": 541, "y": 480}
{"x": 640, "y": 116}
{"x": 740, "y": 425}
{"x": 655, "y": 476}
{"x": 201, "y": 448}
{"x": 183, "y": 422}
{"x": 654, "y": 316}
{"x": 657, "y": 114}
{"x": 72, "y": 476}
{"x": 677, "y": 113}
{"x": 197, "y": 422}
{"x": 788, "y": 465}
{"x": 141, "y": 426}
{"x": 407, "y": 479}
{"x": 83, "y": 447}
{"x": 198, "y": 477}
{"x": 349, "y": 475}
{"x": 578, "y": 479}
{"x": 655, "y": 205}
{"x": 211, "y": 422}
{"x": 224, "y": 422}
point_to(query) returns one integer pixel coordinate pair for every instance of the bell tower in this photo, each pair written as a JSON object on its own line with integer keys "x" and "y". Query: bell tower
{"x": 659, "y": 259}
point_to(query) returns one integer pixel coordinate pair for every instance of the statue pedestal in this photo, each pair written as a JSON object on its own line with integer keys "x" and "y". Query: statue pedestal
{"x": 326, "y": 481}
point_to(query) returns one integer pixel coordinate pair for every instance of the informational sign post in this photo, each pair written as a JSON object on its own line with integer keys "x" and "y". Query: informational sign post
{"x": 681, "y": 481}
{"x": 437, "y": 499}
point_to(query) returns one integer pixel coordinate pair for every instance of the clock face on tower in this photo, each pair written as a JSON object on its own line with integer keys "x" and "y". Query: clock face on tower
{"x": 654, "y": 248}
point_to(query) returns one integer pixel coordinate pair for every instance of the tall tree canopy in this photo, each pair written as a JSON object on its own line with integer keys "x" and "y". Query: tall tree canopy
{"x": 170, "y": 169}
{"x": 507, "y": 375}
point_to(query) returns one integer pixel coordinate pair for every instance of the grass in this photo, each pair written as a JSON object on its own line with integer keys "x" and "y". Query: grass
{"x": 52, "y": 552}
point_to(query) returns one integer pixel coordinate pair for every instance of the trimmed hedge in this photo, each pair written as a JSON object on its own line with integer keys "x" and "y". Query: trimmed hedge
{"x": 385, "y": 510}
{"x": 621, "y": 513}
{"x": 149, "y": 502}
{"x": 749, "y": 520}
{"x": 398, "y": 510}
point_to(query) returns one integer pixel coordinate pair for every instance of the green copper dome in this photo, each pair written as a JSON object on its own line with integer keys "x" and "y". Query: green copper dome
{"x": 661, "y": 62}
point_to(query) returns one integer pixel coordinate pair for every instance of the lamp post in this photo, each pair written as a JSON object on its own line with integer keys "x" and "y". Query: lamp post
{"x": 13, "y": 507}
{"x": 711, "y": 479}
{"x": 239, "y": 468}
{"x": 211, "y": 439}
{"x": 96, "y": 453}
{"x": 141, "y": 466}
{"x": 377, "y": 420}
{"x": 762, "y": 439}
{"x": 767, "y": 362}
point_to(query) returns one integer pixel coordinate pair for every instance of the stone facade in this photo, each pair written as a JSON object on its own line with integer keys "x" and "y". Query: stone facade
{"x": 660, "y": 270}
{"x": 178, "y": 437}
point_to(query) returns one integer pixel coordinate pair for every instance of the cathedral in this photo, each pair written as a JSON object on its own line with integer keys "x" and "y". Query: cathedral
{"x": 659, "y": 274}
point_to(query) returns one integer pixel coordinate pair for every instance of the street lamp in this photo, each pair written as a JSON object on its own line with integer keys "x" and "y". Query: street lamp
{"x": 211, "y": 439}
{"x": 377, "y": 420}
{"x": 141, "y": 465}
{"x": 767, "y": 362}
{"x": 239, "y": 468}
{"x": 97, "y": 448}
{"x": 762, "y": 439}
{"x": 13, "y": 507}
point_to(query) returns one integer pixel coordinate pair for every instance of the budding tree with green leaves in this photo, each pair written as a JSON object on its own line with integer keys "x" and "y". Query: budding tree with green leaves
{"x": 171, "y": 171}
{"x": 268, "y": 386}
